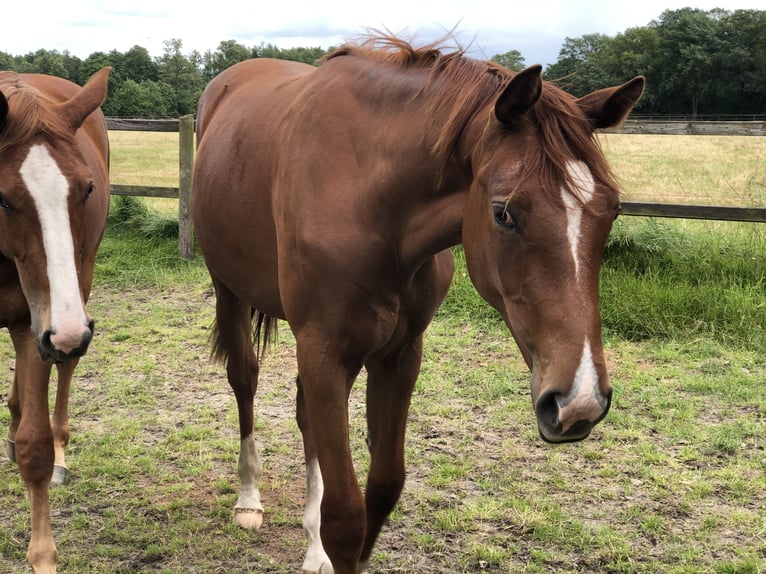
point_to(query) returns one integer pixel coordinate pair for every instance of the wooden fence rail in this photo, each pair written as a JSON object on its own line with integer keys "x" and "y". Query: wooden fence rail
{"x": 185, "y": 128}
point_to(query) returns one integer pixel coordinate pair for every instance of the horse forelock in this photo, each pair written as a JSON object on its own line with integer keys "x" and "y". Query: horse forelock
{"x": 29, "y": 114}
{"x": 566, "y": 134}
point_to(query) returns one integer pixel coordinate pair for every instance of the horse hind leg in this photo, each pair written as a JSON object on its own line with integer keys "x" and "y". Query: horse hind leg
{"x": 232, "y": 343}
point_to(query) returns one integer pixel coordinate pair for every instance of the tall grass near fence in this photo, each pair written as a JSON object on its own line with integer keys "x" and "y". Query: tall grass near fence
{"x": 680, "y": 280}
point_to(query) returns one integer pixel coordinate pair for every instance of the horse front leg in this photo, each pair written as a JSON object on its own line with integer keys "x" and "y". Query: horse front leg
{"x": 34, "y": 448}
{"x": 390, "y": 382}
{"x": 14, "y": 406}
{"x": 323, "y": 391}
{"x": 316, "y": 561}
{"x": 60, "y": 420}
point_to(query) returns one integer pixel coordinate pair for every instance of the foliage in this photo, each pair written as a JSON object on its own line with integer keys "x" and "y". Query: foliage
{"x": 513, "y": 60}
{"x": 696, "y": 62}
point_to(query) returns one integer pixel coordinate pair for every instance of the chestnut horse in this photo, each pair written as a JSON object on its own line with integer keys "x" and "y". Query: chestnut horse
{"x": 54, "y": 198}
{"x": 330, "y": 196}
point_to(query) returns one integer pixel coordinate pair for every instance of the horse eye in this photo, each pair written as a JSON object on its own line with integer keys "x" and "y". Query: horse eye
{"x": 503, "y": 216}
{"x": 4, "y": 204}
{"x": 89, "y": 190}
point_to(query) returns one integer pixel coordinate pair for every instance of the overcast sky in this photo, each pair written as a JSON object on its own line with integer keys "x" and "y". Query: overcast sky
{"x": 537, "y": 28}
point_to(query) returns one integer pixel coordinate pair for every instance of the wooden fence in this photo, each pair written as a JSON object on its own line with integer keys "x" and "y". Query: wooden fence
{"x": 185, "y": 128}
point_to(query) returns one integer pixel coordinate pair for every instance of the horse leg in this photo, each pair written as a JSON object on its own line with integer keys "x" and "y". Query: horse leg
{"x": 34, "y": 447}
{"x": 14, "y": 406}
{"x": 233, "y": 319}
{"x": 316, "y": 561}
{"x": 322, "y": 412}
{"x": 390, "y": 382}
{"x": 60, "y": 421}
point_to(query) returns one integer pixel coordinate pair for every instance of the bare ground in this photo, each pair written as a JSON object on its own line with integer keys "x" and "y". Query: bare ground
{"x": 149, "y": 364}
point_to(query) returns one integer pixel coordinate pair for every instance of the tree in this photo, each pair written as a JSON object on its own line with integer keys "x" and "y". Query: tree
{"x": 633, "y": 53}
{"x": 581, "y": 67}
{"x": 146, "y": 99}
{"x": 182, "y": 75}
{"x": 138, "y": 65}
{"x": 226, "y": 55}
{"x": 513, "y": 60}
{"x": 688, "y": 44}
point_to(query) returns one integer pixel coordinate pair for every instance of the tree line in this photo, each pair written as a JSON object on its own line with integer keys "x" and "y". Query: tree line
{"x": 696, "y": 62}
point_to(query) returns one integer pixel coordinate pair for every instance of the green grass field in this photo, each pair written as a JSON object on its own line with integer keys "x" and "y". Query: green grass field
{"x": 673, "y": 481}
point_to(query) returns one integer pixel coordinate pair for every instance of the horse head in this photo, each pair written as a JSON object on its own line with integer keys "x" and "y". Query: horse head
{"x": 45, "y": 186}
{"x": 539, "y": 212}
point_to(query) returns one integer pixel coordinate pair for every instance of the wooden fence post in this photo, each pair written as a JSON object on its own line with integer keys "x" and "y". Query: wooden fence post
{"x": 185, "y": 168}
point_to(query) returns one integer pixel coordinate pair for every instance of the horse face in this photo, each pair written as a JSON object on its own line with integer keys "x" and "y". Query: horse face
{"x": 533, "y": 247}
{"x": 45, "y": 188}
{"x": 536, "y": 259}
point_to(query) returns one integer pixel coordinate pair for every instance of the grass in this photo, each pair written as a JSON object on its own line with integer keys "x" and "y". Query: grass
{"x": 713, "y": 170}
{"x": 673, "y": 481}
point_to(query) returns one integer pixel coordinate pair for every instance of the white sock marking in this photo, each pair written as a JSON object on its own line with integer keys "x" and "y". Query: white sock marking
{"x": 316, "y": 557}
{"x": 49, "y": 190}
{"x": 249, "y": 470}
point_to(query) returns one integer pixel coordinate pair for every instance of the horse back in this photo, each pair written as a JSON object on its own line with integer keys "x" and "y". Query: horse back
{"x": 240, "y": 85}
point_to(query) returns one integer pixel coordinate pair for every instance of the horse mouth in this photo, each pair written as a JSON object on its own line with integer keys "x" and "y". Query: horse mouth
{"x": 53, "y": 356}
{"x": 579, "y": 431}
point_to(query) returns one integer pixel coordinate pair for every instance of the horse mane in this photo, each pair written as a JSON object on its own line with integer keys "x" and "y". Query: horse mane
{"x": 29, "y": 113}
{"x": 473, "y": 85}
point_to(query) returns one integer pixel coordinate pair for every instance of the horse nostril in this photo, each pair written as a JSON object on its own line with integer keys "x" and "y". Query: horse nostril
{"x": 87, "y": 335}
{"x": 46, "y": 340}
{"x": 547, "y": 410}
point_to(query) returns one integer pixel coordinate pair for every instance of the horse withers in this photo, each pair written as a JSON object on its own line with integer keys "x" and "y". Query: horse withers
{"x": 329, "y": 197}
{"x": 54, "y": 198}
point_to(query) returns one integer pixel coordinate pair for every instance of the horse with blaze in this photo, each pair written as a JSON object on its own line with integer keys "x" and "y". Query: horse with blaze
{"x": 330, "y": 197}
{"x": 54, "y": 198}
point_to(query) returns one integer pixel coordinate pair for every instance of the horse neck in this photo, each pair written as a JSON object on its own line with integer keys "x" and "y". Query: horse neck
{"x": 425, "y": 195}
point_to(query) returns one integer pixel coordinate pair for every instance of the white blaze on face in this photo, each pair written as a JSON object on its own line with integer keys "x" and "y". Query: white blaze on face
{"x": 585, "y": 189}
{"x": 50, "y": 191}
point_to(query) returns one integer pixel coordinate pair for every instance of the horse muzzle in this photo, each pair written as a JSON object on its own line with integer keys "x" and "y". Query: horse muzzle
{"x": 57, "y": 347}
{"x": 560, "y": 420}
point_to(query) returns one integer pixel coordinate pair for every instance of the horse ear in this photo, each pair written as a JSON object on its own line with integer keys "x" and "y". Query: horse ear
{"x": 92, "y": 95}
{"x": 609, "y": 107}
{"x": 519, "y": 95}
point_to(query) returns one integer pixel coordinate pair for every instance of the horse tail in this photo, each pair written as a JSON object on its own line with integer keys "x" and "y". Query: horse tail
{"x": 264, "y": 334}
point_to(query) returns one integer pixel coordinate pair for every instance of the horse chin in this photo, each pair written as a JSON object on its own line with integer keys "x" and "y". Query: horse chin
{"x": 573, "y": 435}
{"x": 54, "y": 357}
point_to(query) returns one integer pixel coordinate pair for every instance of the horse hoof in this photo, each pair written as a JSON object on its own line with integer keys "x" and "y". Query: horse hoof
{"x": 59, "y": 475}
{"x": 248, "y": 518}
{"x": 325, "y": 568}
{"x": 12, "y": 450}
